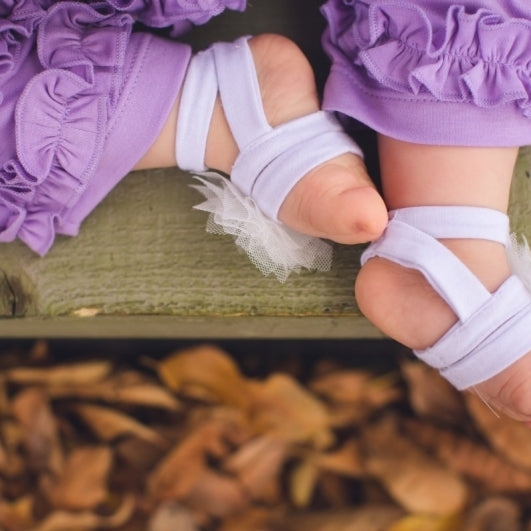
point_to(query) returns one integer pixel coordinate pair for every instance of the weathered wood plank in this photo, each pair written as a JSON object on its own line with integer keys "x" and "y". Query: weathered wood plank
{"x": 144, "y": 251}
{"x": 178, "y": 327}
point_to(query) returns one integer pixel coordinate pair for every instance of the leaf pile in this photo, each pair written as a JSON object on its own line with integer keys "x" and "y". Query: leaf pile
{"x": 190, "y": 443}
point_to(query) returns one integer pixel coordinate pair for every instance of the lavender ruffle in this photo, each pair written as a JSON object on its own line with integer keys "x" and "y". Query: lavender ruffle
{"x": 180, "y": 14}
{"x": 62, "y": 72}
{"x": 475, "y": 53}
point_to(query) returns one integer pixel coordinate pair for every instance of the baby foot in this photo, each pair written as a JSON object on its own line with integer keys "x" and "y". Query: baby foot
{"x": 403, "y": 305}
{"x": 335, "y": 200}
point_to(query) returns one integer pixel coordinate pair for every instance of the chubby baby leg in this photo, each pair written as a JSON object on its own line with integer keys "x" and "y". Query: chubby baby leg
{"x": 335, "y": 199}
{"x": 398, "y": 297}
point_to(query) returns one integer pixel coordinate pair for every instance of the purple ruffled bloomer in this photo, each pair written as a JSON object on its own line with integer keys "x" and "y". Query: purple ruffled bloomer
{"x": 433, "y": 71}
{"x": 77, "y": 110}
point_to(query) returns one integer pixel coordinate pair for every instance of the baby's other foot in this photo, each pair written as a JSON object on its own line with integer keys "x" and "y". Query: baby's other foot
{"x": 336, "y": 200}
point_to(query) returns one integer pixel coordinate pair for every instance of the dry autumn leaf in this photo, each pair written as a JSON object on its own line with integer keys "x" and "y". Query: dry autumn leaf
{"x": 258, "y": 464}
{"x": 83, "y": 483}
{"x": 368, "y": 518}
{"x": 39, "y": 432}
{"x": 172, "y": 516}
{"x": 74, "y": 374}
{"x": 207, "y": 373}
{"x": 495, "y": 514}
{"x": 469, "y": 458}
{"x": 12, "y": 463}
{"x": 431, "y": 396}
{"x": 86, "y": 520}
{"x": 175, "y": 476}
{"x": 256, "y": 519}
{"x": 108, "y": 424}
{"x": 115, "y": 391}
{"x": 17, "y": 515}
{"x": 427, "y": 522}
{"x": 284, "y": 409}
{"x": 510, "y": 438}
{"x": 346, "y": 461}
{"x": 342, "y": 386}
{"x": 217, "y": 495}
{"x": 356, "y": 387}
{"x": 302, "y": 483}
{"x": 414, "y": 479}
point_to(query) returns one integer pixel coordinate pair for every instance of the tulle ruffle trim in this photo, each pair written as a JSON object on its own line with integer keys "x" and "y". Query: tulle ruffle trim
{"x": 479, "y": 57}
{"x": 60, "y": 119}
{"x": 272, "y": 247}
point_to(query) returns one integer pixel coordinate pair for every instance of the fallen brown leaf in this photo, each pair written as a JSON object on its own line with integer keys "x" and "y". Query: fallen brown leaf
{"x": 86, "y": 520}
{"x": 217, "y": 495}
{"x": 16, "y": 515}
{"x": 83, "y": 483}
{"x": 74, "y": 374}
{"x": 109, "y": 424}
{"x": 431, "y": 396}
{"x": 368, "y": 518}
{"x": 469, "y": 458}
{"x": 302, "y": 483}
{"x": 356, "y": 387}
{"x": 120, "y": 389}
{"x": 259, "y": 464}
{"x": 284, "y": 409}
{"x": 205, "y": 372}
{"x": 346, "y": 461}
{"x": 12, "y": 463}
{"x": 495, "y": 514}
{"x": 39, "y": 432}
{"x": 256, "y": 519}
{"x": 175, "y": 476}
{"x": 415, "y": 480}
{"x": 510, "y": 438}
{"x": 172, "y": 516}
{"x": 426, "y": 522}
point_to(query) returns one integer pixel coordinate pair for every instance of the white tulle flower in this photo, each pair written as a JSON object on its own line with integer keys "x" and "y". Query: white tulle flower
{"x": 272, "y": 247}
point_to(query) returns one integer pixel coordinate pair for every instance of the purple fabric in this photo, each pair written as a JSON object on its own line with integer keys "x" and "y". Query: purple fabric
{"x": 433, "y": 71}
{"x": 76, "y": 103}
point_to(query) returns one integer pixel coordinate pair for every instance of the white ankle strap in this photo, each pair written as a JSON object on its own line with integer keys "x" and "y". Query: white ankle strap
{"x": 271, "y": 160}
{"x": 411, "y": 237}
{"x": 198, "y": 97}
{"x": 492, "y": 332}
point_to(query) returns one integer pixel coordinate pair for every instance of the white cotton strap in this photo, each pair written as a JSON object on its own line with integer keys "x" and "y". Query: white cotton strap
{"x": 456, "y": 222}
{"x": 271, "y": 160}
{"x": 271, "y": 165}
{"x": 239, "y": 91}
{"x": 494, "y": 338}
{"x": 493, "y": 329}
{"x": 198, "y": 97}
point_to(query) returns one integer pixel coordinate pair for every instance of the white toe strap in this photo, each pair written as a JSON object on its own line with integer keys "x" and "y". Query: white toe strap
{"x": 493, "y": 329}
{"x": 271, "y": 160}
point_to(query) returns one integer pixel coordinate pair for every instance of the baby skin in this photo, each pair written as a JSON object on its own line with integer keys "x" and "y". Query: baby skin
{"x": 399, "y": 300}
{"x": 336, "y": 200}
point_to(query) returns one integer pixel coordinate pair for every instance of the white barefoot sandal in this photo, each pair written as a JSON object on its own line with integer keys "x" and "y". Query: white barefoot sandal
{"x": 493, "y": 330}
{"x": 271, "y": 160}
